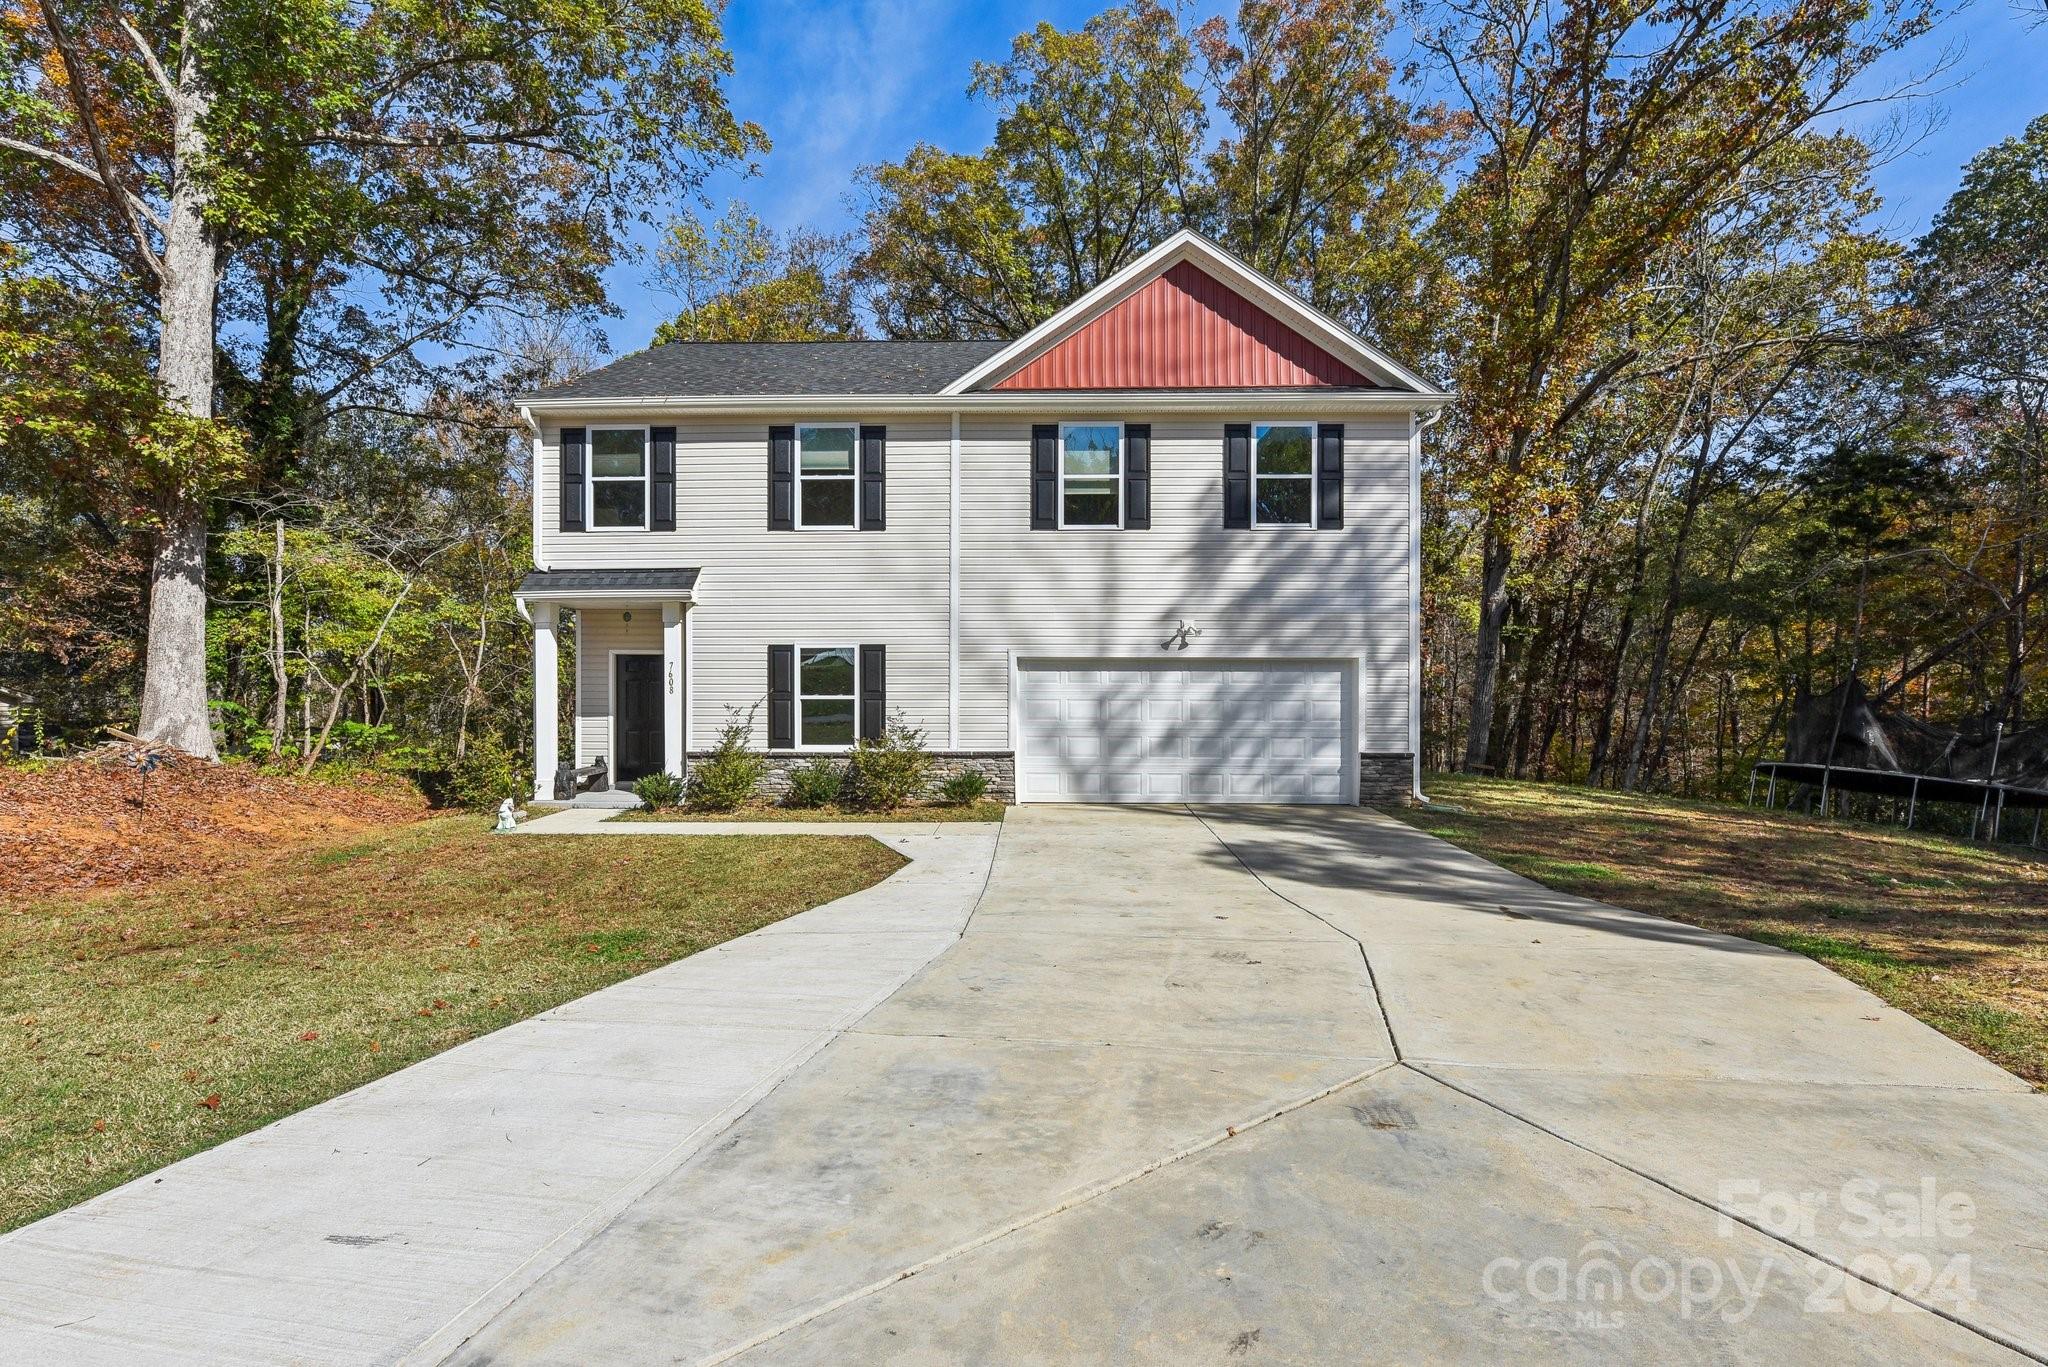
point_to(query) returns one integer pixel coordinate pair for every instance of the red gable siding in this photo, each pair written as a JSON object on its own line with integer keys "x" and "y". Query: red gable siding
{"x": 1184, "y": 329}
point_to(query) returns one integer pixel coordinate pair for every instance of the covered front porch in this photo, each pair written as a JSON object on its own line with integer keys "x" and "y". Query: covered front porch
{"x": 631, "y": 681}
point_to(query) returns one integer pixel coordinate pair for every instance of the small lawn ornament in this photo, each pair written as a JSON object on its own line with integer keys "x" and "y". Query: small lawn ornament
{"x": 506, "y": 820}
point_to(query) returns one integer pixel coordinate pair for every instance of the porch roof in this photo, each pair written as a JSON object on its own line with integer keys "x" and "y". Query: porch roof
{"x": 569, "y": 586}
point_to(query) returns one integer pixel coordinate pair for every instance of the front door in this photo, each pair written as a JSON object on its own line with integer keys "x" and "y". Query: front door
{"x": 636, "y": 716}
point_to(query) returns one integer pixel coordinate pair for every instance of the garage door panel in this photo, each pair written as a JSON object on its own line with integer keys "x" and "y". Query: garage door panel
{"x": 1147, "y": 733}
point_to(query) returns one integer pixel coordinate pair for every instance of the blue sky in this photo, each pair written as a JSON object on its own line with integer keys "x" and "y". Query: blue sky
{"x": 839, "y": 86}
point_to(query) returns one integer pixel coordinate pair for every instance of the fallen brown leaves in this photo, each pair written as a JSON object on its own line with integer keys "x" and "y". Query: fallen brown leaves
{"x": 80, "y": 825}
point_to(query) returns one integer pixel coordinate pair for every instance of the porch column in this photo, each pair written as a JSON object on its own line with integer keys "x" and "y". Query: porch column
{"x": 672, "y": 688}
{"x": 546, "y": 706}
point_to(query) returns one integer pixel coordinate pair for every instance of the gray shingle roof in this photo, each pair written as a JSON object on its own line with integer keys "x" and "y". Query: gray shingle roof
{"x": 545, "y": 582}
{"x": 748, "y": 368}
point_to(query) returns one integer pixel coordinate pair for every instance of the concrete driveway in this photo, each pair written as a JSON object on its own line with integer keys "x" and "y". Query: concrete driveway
{"x": 1306, "y": 1085}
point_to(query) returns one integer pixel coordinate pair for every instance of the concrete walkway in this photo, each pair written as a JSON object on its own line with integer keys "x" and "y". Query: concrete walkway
{"x": 1308, "y": 1086}
{"x": 403, "y": 1214}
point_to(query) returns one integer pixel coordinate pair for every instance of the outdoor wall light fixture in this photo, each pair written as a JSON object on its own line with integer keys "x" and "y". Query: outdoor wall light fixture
{"x": 1181, "y": 636}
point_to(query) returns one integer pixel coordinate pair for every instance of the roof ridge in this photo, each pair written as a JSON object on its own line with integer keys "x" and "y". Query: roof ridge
{"x": 843, "y": 341}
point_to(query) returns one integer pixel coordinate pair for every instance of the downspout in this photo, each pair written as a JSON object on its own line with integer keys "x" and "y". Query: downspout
{"x": 1416, "y": 424}
{"x": 953, "y": 590}
{"x": 533, "y": 491}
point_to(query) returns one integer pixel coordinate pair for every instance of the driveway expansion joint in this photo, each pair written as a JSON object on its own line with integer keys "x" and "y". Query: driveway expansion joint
{"x": 1722, "y": 1212}
{"x": 1372, "y": 980}
{"x": 1071, "y": 1201}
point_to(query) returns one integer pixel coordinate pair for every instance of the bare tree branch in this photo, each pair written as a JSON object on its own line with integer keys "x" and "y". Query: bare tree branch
{"x": 148, "y": 55}
{"x": 80, "y": 169}
{"x": 88, "y": 122}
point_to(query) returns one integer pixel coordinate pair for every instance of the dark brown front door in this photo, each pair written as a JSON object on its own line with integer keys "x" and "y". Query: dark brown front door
{"x": 636, "y": 716}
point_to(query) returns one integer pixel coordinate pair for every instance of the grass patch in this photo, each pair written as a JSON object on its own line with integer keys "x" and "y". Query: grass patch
{"x": 1955, "y": 933}
{"x": 937, "y": 811}
{"x": 145, "y": 1025}
{"x": 1830, "y": 949}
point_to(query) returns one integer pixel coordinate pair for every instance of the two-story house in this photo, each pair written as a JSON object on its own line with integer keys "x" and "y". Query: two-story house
{"x": 1163, "y": 548}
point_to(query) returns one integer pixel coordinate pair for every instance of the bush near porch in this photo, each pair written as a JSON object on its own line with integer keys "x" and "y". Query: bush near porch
{"x": 1952, "y": 932}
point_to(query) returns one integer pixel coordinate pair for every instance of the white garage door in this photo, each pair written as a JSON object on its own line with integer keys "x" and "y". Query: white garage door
{"x": 1094, "y": 732}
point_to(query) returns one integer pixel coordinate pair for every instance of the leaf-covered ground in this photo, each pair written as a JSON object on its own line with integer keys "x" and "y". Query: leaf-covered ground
{"x": 1953, "y": 932}
{"x": 99, "y": 823}
{"x": 143, "y": 1025}
{"x": 935, "y": 811}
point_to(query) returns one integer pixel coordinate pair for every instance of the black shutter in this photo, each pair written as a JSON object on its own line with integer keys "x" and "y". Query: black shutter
{"x": 782, "y": 479}
{"x": 1045, "y": 477}
{"x": 782, "y": 697}
{"x": 874, "y": 679}
{"x": 1138, "y": 476}
{"x": 1330, "y": 476}
{"x": 1237, "y": 474}
{"x": 661, "y": 514}
{"x": 571, "y": 491}
{"x": 874, "y": 443}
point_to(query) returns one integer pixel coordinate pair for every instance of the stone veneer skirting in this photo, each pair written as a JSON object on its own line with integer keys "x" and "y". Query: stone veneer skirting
{"x": 1386, "y": 779}
{"x": 999, "y": 766}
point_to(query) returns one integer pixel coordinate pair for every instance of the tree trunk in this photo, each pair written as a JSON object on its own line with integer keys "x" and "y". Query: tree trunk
{"x": 174, "y": 711}
{"x": 1493, "y": 614}
{"x": 280, "y": 702}
{"x": 1696, "y": 488}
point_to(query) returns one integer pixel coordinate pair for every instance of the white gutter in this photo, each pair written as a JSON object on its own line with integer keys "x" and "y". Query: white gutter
{"x": 1081, "y": 402}
{"x": 589, "y": 597}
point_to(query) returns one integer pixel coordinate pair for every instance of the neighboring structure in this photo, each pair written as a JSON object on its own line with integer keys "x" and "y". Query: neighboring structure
{"x": 1163, "y": 548}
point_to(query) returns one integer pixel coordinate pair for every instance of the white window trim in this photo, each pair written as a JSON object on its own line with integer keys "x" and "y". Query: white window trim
{"x": 798, "y": 695}
{"x": 1315, "y": 455}
{"x": 591, "y": 478}
{"x": 1117, "y": 479}
{"x": 852, "y": 478}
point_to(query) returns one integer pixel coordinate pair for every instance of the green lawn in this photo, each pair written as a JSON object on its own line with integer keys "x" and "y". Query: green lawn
{"x": 937, "y": 811}
{"x": 143, "y": 1026}
{"x": 1953, "y": 932}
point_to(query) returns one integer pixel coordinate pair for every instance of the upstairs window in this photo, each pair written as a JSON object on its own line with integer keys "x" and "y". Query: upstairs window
{"x": 1283, "y": 474}
{"x": 1091, "y": 474}
{"x": 618, "y": 478}
{"x": 826, "y": 699}
{"x": 827, "y": 490}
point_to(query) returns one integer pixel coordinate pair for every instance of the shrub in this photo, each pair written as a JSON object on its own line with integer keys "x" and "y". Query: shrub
{"x": 964, "y": 787}
{"x": 816, "y": 782}
{"x": 728, "y": 776}
{"x": 486, "y": 775}
{"x": 887, "y": 771}
{"x": 659, "y": 790}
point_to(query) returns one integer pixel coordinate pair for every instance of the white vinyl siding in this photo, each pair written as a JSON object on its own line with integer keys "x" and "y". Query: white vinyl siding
{"x": 760, "y": 588}
{"x": 1309, "y": 594}
{"x": 1320, "y": 594}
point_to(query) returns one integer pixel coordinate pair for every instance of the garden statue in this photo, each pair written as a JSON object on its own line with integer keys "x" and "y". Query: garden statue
{"x": 506, "y": 820}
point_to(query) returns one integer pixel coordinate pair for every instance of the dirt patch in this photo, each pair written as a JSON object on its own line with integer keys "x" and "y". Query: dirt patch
{"x": 96, "y": 822}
